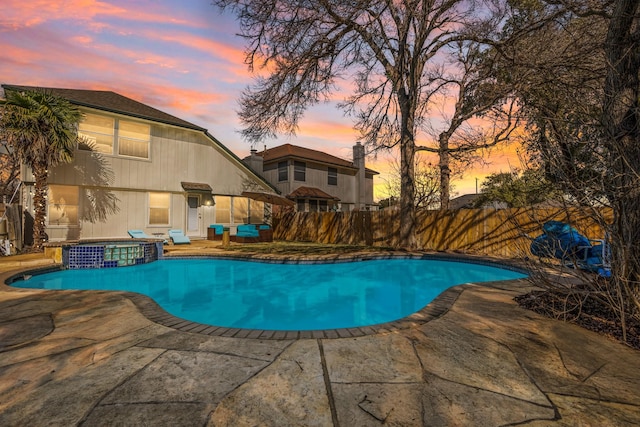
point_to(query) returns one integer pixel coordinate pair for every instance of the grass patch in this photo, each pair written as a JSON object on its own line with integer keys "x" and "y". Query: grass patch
{"x": 302, "y": 248}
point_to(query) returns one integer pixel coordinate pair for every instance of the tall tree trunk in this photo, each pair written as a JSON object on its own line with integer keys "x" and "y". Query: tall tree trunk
{"x": 445, "y": 172}
{"x": 621, "y": 120}
{"x": 40, "y": 206}
{"x": 407, "y": 173}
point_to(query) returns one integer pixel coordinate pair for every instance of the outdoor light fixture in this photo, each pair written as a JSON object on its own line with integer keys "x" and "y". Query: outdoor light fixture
{"x": 208, "y": 200}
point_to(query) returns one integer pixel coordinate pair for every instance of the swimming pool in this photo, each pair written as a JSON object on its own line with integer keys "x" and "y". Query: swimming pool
{"x": 282, "y": 296}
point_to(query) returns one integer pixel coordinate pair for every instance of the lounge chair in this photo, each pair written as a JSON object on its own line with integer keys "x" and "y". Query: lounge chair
{"x": 178, "y": 237}
{"x": 565, "y": 243}
{"x": 138, "y": 234}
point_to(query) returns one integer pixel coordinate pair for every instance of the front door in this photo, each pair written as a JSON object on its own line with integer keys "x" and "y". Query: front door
{"x": 193, "y": 216}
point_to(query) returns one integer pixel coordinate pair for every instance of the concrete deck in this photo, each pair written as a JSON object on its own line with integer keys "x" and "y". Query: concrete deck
{"x": 93, "y": 359}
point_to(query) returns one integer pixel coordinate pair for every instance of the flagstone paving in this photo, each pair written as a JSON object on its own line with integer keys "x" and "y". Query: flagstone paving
{"x": 93, "y": 359}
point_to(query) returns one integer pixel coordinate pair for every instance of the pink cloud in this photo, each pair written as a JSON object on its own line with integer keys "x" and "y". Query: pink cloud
{"x": 19, "y": 13}
{"x": 327, "y": 129}
{"x": 236, "y": 70}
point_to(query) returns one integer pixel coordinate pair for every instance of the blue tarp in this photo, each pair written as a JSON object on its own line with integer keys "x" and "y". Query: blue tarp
{"x": 564, "y": 242}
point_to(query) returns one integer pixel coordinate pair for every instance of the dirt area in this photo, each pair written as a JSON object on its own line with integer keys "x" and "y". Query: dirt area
{"x": 583, "y": 310}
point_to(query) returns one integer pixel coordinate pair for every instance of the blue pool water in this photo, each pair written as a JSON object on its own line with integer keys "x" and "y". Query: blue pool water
{"x": 257, "y": 295}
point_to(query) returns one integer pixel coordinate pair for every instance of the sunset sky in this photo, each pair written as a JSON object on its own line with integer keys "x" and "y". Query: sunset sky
{"x": 183, "y": 58}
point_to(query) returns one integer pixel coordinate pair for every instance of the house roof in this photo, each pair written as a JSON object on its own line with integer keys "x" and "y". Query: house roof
{"x": 467, "y": 201}
{"x": 110, "y": 101}
{"x": 115, "y": 103}
{"x": 196, "y": 186}
{"x": 464, "y": 201}
{"x": 294, "y": 151}
{"x": 310, "y": 193}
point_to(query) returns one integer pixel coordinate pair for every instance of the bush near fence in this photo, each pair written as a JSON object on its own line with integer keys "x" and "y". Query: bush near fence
{"x": 500, "y": 233}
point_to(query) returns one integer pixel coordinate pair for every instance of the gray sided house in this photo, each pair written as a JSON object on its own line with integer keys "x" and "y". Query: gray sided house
{"x": 141, "y": 168}
{"x": 317, "y": 181}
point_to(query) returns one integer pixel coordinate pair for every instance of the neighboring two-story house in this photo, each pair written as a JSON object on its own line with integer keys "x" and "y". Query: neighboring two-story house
{"x": 317, "y": 181}
{"x": 147, "y": 170}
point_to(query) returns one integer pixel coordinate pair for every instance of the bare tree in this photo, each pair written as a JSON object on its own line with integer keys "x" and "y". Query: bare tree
{"x": 387, "y": 52}
{"x": 427, "y": 184}
{"x": 621, "y": 123}
{"x": 475, "y": 92}
{"x": 576, "y": 67}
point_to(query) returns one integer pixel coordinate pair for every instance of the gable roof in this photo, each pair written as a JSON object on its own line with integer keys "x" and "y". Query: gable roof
{"x": 294, "y": 151}
{"x": 464, "y": 201}
{"x": 288, "y": 150}
{"x": 310, "y": 193}
{"x": 110, "y": 101}
{"x": 467, "y": 201}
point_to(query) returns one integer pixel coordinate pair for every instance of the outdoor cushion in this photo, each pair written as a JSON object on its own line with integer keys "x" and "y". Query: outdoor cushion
{"x": 247, "y": 230}
{"x": 218, "y": 228}
{"x": 138, "y": 234}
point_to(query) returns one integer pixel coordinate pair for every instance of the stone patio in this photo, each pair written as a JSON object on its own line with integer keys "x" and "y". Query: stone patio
{"x": 93, "y": 359}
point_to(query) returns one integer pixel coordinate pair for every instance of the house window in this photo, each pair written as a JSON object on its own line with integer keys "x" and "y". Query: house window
{"x": 323, "y": 206}
{"x": 283, "y": 171}
{"x": 223, "y": 209}
{"x": 256, "y": 212}
{"x": 63, "y": 205}
{"x": 134, "y": 139}
{"x": 299, "y": 171}
{"x": 98, "y": 131}
{"x": 313, "y": 206}
{"x": 101, "y": 133}
{"x": 159, "y": 204}
{"x": 301, "y": 206}
{"x": 240, "y": 210}
{"x": 333, "y": 176}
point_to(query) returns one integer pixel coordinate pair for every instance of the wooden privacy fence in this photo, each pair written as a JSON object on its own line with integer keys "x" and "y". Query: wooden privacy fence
{"x": 502, "y": 233}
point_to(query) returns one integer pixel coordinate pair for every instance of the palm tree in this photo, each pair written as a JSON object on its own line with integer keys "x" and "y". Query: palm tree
{"x": 41, "y": 129}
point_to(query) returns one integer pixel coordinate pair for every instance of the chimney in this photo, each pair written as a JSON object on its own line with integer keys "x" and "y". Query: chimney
{"x": 361, "y": 186}
{"x": 255, "y": 162}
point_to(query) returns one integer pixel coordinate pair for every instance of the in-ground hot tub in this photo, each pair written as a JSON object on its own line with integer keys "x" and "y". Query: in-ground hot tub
{"x": 108, "y": 254}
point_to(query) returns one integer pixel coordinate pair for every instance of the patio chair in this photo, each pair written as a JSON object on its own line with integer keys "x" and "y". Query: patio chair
{"x": 178, "y": 237}
{"x": 247, "y": 233}
{"x": 563, "y": 242}
{"x": 214, "y": 232}
{"x": 138, "y": 234}
{"x": 266, "y": 233}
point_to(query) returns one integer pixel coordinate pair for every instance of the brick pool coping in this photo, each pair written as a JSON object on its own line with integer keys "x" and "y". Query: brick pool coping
{"x": 435, "y": 309}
